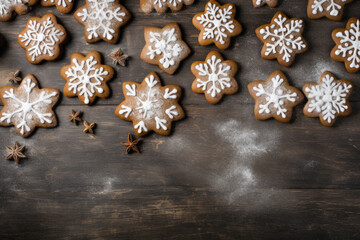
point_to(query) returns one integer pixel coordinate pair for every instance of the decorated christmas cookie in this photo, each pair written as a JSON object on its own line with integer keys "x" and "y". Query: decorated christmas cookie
{"x": 63, "y": 6}
{"x": 27, "y": 106}
{"x": 102, "y": 20}
{"x": 7, "y": 7}
{"x": 217, "y": 24}
{"x": 328, "y": 99}
{"x": 332, "y": 9}
{"x": 162, "y": 5}
{"x": 86, "y": 77}
{"x": 42, "y": 39}
{"x": 214, "y": 77}
{"x": 270, "y": 3}
{"x": 282, "y": 39}
{"x": 275, "y": 97}
{"x": 164, "y": 47}
{"x": 347, "y": 47}
{"x": 150, "y": 106}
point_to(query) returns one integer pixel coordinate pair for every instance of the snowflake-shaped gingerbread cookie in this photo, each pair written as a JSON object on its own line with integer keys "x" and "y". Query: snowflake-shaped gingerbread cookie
{"x": 214, "y": 77}
{"x": 217, "y": 24}
{"x": 162, "y": 5}
{"x": 270, "y": 3}
{"x": 102, "y": 20}
{"x": 42, "y": 39}
{"x": 86, "y": 77}
{"x": 328, "y": 99}
{"x": 164, "y": 47}
{"x": 332, "y": 9}
{"x": 7, "y": 7}
{"x": 63, "y": 6}
{"x": 275, "y": 97}
{"x": 347, "y": 47}
{"x": 27, "y": 106}
{"x": 282, "y": 39}
{"x": 150, "y": 106}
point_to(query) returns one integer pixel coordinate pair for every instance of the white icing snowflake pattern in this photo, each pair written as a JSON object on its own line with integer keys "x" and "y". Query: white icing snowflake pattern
{"x": 62, "y": 3}
{"x": 217, "y": 22}
{"x": 283, "y": 35}
{"x": 275, "y": 96}
{"x": 333, "y": 8}
{"x": 329, "y": 98}
{"x": 23, "y": 109}
{"x": 162, "y": 3}
{"x": 166, "y": 45}
{"x": 40, "y": 38}
{"x": 6, "y": 5}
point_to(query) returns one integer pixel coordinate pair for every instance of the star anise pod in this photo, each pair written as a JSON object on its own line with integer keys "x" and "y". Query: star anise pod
{"x": 119, "y": 57}
{"x": 14, "y": 77}
{"x": 75, "y": 117}
{"x": 89, "y": 128}
{"x": 16, "y": 152}
{"x": 131, "y": 144}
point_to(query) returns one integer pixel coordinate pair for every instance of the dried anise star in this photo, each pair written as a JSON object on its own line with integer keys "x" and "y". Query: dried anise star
{"x": 14, "y": 77}
{"x": 75, "y": 117}
{"x": 131, "y": 144}
{"x": 119, "y": 57}
{"x": 89, "y": 128}
{"x": 16, "y": 152}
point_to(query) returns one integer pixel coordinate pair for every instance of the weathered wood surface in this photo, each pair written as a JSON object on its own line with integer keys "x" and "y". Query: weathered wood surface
{"x": 220, "y": 175}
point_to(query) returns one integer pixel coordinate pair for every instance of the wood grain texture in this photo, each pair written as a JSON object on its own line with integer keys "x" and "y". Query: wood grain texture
{"x": 220, "y": 175}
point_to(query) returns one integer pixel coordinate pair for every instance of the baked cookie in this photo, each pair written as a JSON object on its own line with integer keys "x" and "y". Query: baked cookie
{"x": 328, "y": 99}
{"x": 63, "y": 6}
{"x": 275, "y": 97}
{"x": 347, "y": 47}
{"x": 282, "y": 39}
{"x": 332, "y": 9}
{"x": 102, "y": 20}
{"x": 164, "y": 47}
{"x": 270, "y": 3}
{"x": 7, "y": 7}
{"x": 150, "y": 106}
{"x": 27, "y": 106}
{"x": 162, "y": 5}
{"x": 217, "y": 24}
{"x": 42, "y": 39}
{"x": 86, "y": 77}
{"x": 214, "y": 77}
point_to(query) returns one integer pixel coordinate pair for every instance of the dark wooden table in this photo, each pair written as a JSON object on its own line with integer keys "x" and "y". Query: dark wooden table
{"x": 220, "y": 175}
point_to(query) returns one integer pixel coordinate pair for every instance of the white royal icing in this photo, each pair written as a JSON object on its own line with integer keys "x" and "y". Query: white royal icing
{"x": 41, "y": 38}
{"x": 100, "y": 17}
{"x": 62, "y": 3}
{"x": 283, "y": 35}
{"x": 6, "y": 5}
{"x": 275, "y": 96}
{"x": 165, "y": 44}
{"x": 350, "y": 44}
{"x": 333, "y": 8}
{"x": 162, "y": 3}
{"x": 85, "y": 78}
{"x": 216, "y": 22}
{"x": 25, "y": 109}
{"x": 217, "y": 74}
{"x": 328, "y": 98}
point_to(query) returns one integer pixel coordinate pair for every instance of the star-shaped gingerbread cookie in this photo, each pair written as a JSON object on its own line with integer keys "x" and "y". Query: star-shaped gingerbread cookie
{"x": 150, "y": 106}
{"x": 86, "y": 77}
{"x": 275, "y": 98}
{"x": 332, "y": 9}
{"x": 162, "y": 5}
{"x": 214, "y": 77}
{"x": 217, "y": 24}
{"x": 102, "y": 20}
{"x": 7, "y": 7}
{"x": 270, "y": 3}
{"x": 63, "y": 6}
{"x": 328, "y": 99}
{"x": 42, "y": 39}
{"x": 27, "y": 106}
{"x": 347, "y": 47}
{"x": 282, "y": 39}
{"x": 164, "y": 47}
